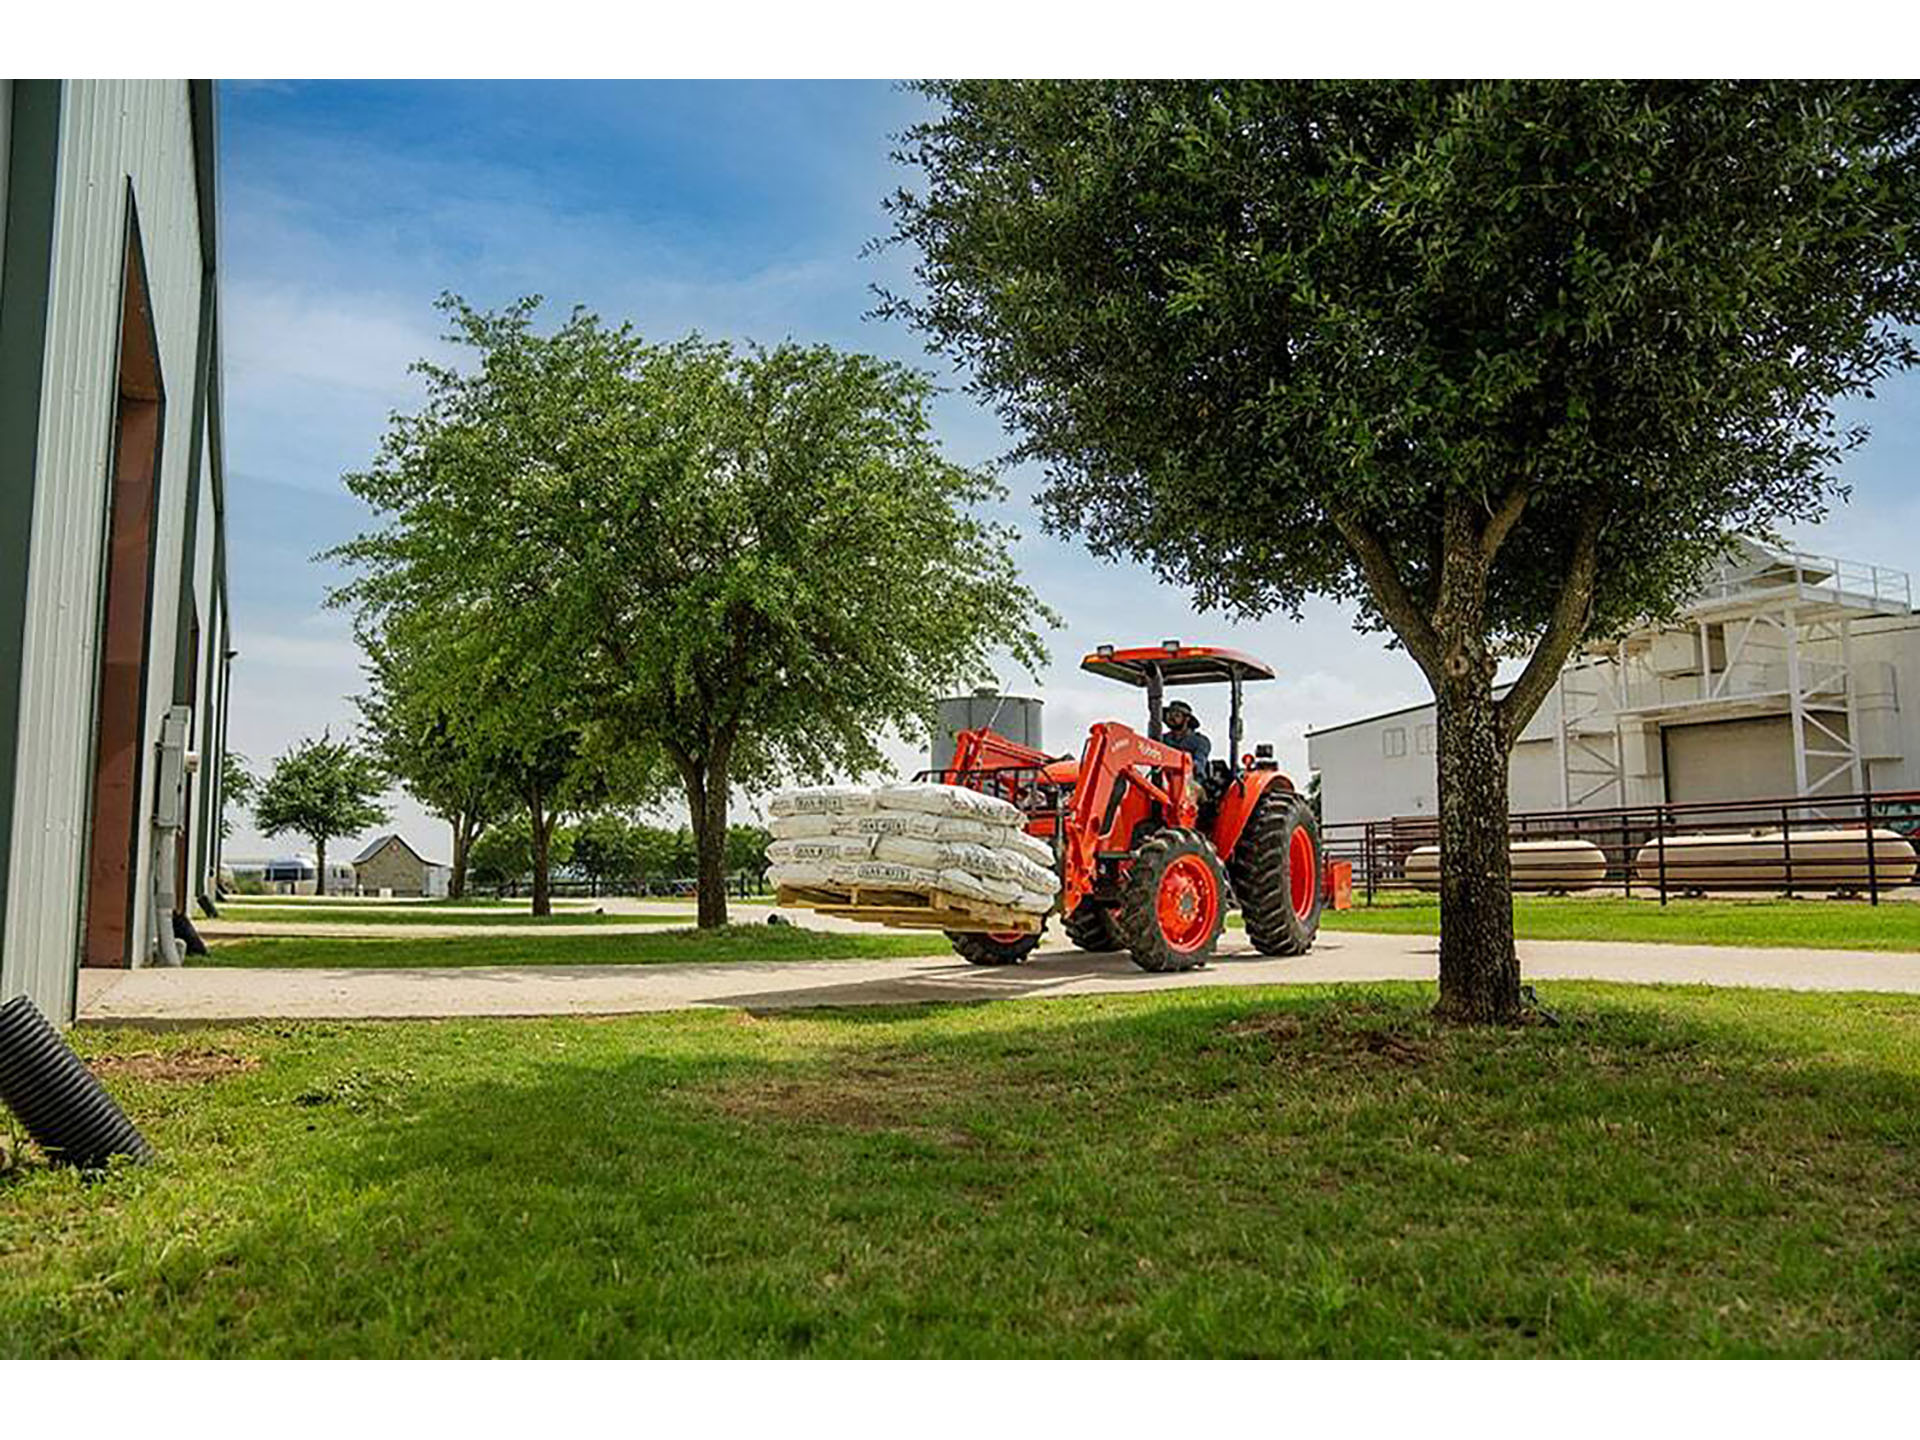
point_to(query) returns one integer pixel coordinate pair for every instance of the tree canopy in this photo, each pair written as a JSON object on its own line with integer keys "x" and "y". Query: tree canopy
{"x": 321, "y": 789}
{"x": 427, "y": 732}
{"x": 237, "y": 784}
{"x": 731, "y": 565}
{"x": 1505, "y": 363}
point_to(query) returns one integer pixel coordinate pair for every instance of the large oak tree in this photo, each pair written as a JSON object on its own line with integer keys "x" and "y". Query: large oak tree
{"x": 1504, "y": 363}
{"x": 731, "y": 565}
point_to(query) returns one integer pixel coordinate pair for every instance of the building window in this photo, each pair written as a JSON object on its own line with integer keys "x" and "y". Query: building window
{"x": 1423, "y": 739}
{"x": 1393, "y": 741}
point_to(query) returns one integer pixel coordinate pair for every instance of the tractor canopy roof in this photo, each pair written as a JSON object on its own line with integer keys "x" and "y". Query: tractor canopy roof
{"x": 1179, "y": 664}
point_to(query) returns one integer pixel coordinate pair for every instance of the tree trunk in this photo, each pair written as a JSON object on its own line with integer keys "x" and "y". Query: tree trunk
{"x": 707, "y": 807}
{"x": 462, "y": 843}
{"x": 1479, "y": 971}
{"x": 319, "y": 865}
{"x": 541, "y": 827}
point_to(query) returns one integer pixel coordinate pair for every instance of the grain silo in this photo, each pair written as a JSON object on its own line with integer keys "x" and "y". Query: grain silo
{"x": 1015, "y": 716}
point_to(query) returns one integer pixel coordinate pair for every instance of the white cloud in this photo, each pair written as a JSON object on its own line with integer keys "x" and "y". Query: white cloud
{"x": 283, "y": 338}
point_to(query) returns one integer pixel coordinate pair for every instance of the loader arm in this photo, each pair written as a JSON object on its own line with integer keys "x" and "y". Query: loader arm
{"x": 1123, "y": 775}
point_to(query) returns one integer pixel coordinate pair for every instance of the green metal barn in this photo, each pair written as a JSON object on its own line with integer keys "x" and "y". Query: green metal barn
{"x": 115, "y": 634}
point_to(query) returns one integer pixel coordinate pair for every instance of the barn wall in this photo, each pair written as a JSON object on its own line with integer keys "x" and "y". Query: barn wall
{"x": 116, "y": 138}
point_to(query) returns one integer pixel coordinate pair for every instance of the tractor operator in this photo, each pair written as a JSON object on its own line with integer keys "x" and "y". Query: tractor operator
{"x": 1183, "y": 733}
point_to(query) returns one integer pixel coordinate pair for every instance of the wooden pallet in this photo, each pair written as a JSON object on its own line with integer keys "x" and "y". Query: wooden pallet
{"x": 910, "y": 909}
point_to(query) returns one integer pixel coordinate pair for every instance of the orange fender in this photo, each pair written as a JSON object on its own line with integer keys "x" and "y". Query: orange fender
{"x": 1236, "y": 808}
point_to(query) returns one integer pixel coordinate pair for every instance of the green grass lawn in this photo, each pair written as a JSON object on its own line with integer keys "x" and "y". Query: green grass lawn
{"x": 735, "y": 942}
{"x": 1280, "y": 1172}
{"x": 422, "y": 915}
{"x": 1817, "y": 924}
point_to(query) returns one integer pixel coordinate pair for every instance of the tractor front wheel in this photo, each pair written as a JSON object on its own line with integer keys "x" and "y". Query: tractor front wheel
{"x": 1276, "y": 874}
{"x": 1172, "y": 902}
{"x": 1091, "y": 927}
{"x": 996, "y": 948}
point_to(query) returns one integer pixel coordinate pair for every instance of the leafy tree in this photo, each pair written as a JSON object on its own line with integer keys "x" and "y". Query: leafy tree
{"x": 1505, "y": 363}
{"x": 426, "y": 736}
{"x": 553, "y": 776}
{"x": 321, "y": 789}
{"x": 237, "y": 786}
{"x": 747, "y": 851}
{"x": 467, "y": 642}
{"x": 503, "y": 855}
{"x": 606, "y": 849}
{"x": 732, "y": 565}
{"x": 664, "y": 853}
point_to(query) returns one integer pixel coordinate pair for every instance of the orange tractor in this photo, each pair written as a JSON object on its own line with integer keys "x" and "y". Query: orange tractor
{"x": 1152, "y": 855}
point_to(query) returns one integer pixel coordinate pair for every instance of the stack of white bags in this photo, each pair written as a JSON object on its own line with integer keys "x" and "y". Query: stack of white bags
{"x": 918, "y": 837}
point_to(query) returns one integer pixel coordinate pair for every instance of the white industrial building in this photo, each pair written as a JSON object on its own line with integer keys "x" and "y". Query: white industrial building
{"x": 1787, "y": 675}
{"x": 114, "y": 628}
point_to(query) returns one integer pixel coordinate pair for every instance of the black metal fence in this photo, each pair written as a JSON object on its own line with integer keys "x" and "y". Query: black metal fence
{"x": 1790, "y": 846}
{"x": 742, "y": 885}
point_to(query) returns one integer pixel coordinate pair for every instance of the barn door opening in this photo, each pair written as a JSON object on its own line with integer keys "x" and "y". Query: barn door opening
{"x": 126, "y": 622}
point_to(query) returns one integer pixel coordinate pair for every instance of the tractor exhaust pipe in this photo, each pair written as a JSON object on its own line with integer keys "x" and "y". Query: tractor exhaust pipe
{"x": 64, "y": 1108}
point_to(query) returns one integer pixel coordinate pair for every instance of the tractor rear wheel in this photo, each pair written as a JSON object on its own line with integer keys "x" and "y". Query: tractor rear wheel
{"x": 1172, "y": 902}
{"x": 1092, "y": 927}
{"x": 1276, "y": 874}
{"x": 997, "y": 948}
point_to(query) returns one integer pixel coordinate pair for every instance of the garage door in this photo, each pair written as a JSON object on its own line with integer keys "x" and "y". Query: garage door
{"x": 1729, "y": 759}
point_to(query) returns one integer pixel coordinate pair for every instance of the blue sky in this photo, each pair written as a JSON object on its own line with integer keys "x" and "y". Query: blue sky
{"x": 739, "y": 210}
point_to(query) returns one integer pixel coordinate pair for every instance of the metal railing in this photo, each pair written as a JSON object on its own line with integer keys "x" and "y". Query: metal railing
{"x": 1800, "y": 576}
{"x": 741, "y": 885}
{"x": 1794, "y": 845}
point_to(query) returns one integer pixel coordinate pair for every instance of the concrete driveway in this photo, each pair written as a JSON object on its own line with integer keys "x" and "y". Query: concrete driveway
{"x": 215, "y": 994}
{"x": 235, "y": 924}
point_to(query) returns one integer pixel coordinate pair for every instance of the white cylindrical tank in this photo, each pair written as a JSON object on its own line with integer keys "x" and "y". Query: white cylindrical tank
{"x": 1015, "y": 716}
{"x": 1824, "y": 859}
{"x": 1537, "y": 865}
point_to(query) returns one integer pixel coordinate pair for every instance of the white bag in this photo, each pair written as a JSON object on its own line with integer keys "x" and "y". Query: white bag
{"x": 954, "y": 800}
{"x": 801, "y": 872}
{"x": 1030, "y": 876}
{"x": 895, "y": 876}
{"x": 981, "y": 887}
{"x": 821, "y": 800}
{"x": 805, "y": 827}
{"x": 822, "y": 849}
{"x": 947, "y": 854}
{"x": 1032, "y": 846}
{"x": 922, "y": 825}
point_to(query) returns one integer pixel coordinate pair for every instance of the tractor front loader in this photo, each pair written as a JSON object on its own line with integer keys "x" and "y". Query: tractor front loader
{"x": 1152, "y": 855}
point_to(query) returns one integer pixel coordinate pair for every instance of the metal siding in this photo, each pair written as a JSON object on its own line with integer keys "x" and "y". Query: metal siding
{"x": 6, "y": 146}
{"x": 1729, "y": 760}
{"x": 204, "y": 739}
{"x": 111, "y": 131}
{"x": 1360, "y": 781}
{"x": 1017, "y": 717}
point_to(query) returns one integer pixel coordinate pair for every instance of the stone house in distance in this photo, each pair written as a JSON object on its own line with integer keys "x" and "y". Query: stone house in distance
{"x": 390, "y": 866}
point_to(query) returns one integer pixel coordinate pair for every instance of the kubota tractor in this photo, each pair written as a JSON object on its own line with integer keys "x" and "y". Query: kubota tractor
{"x": 1152, "y": 855}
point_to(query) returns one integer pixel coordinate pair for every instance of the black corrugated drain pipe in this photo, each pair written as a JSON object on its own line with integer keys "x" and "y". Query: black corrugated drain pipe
{"x": 64, "y": 1108}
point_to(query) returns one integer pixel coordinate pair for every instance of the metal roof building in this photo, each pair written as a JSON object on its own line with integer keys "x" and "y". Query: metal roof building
{"x": 114, "y": 623}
